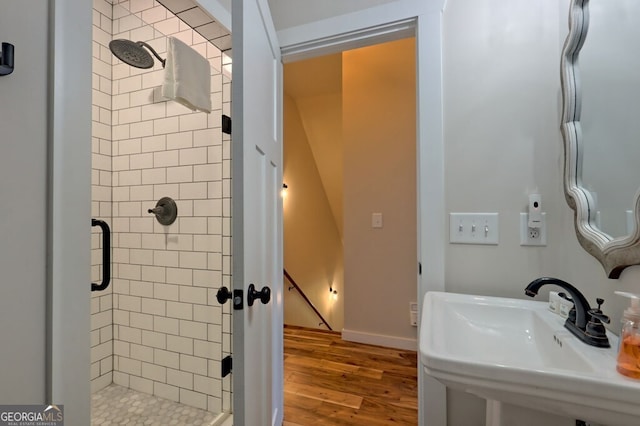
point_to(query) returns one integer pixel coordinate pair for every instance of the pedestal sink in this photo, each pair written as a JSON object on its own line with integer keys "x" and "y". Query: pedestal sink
{"x": 518, "y": 352}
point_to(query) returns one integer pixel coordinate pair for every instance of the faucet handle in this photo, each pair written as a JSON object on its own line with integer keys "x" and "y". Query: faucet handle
{"x": 597, "y": 315}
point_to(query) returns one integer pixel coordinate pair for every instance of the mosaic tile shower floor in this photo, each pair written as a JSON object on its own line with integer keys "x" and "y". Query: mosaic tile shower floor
{"x": 117, "y": 405}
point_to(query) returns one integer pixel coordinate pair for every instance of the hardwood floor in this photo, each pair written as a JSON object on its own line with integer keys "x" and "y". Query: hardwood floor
{"x": 328, "y": 381}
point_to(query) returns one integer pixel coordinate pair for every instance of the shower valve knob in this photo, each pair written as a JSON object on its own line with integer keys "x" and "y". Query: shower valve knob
{"x": 166, "y": 211}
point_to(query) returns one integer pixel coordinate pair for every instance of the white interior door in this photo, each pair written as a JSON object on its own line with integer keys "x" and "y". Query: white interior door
{"x": 257, "y": 215}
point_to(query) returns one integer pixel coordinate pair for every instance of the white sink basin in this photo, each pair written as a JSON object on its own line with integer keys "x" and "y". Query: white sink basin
{"x": 518, "y": 352}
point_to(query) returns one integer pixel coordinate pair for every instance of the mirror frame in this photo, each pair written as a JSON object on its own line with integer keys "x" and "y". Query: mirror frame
{"x": 615, "y": 254}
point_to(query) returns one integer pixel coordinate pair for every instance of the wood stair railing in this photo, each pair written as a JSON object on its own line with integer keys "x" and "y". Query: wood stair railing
{"x": 304, "y": 296}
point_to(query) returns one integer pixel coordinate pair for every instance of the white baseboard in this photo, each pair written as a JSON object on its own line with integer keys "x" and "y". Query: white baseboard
{"x": 380, "y": 340}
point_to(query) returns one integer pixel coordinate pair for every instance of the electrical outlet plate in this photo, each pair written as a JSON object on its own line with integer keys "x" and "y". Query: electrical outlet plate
{"x": 413, "y": 314}
{"x": 532, "y": 236}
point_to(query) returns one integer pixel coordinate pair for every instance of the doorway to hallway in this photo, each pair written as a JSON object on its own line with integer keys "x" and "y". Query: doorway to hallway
{"x": 350, "y": 224}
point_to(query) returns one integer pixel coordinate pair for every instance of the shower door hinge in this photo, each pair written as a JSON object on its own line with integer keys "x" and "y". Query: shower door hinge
{"x": 226, "y": 124}
{"x": 227, "y": 364}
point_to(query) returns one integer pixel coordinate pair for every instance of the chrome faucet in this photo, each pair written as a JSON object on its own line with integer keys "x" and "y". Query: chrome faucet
{"x": 583, "y": 322}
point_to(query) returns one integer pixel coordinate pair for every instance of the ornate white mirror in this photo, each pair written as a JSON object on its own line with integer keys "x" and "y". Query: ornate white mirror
{"x": 601, "y": 129}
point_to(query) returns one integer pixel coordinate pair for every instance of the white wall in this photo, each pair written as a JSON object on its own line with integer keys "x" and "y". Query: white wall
{"x": 45, "y": 175}
{"x": 504, "y": 118}
{"x": 501, "y": 114}
{"x": 501, "y": 107}
{"x": 502, "y": 111}
{"x": 23, "y": 223}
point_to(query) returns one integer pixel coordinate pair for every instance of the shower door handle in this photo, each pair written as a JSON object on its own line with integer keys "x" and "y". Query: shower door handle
{"x": 106, "y": 255}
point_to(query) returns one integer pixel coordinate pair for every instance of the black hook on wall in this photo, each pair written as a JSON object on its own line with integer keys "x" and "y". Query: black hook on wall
{"x": 6, "y": 59}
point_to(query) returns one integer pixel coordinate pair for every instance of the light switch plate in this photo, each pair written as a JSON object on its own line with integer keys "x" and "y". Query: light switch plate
{"x": 473, "y": 228}
{"x": 376, "y": 220}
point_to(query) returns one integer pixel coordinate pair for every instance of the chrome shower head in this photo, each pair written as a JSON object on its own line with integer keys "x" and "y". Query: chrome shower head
{"x": 133, "y": 53}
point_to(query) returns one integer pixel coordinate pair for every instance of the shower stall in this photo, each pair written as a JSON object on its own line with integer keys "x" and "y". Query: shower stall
{"x": 158, "y": 333}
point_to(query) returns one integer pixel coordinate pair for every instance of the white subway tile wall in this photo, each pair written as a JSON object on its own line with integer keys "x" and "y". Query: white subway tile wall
{"x": 159, "y": 329}
{"x": 101, "y": 183}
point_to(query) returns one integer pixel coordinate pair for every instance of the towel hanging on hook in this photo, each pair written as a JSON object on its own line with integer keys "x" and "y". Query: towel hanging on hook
{"x": 187, "y": 77}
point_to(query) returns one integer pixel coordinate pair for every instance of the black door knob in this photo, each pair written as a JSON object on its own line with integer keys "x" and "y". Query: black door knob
{"x": 223, "y": 295}
{"x": 264, "y": 295}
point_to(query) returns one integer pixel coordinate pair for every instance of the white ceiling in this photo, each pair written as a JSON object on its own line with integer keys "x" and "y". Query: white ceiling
{"x": 194, "y": 16}
{"x": 291, "y": 13}
{"x": 285, "y": 14}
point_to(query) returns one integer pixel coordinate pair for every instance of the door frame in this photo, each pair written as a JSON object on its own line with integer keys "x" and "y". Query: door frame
{"x": 70, "y": 175}
{"x": 69, "y": 209}
{"x": 381, "y": 24}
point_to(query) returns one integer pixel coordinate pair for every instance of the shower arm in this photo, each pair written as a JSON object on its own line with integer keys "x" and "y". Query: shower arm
{"x": 142, "y": 43}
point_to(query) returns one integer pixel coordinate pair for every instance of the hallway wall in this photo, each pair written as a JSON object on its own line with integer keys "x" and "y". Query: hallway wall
{"x": 379, "y": 131}
{"x": 313, "y": 252}
{"x": 375, "y": 150}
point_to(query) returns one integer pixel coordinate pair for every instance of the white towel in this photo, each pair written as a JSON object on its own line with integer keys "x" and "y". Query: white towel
{"x": 187, "y": 77}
